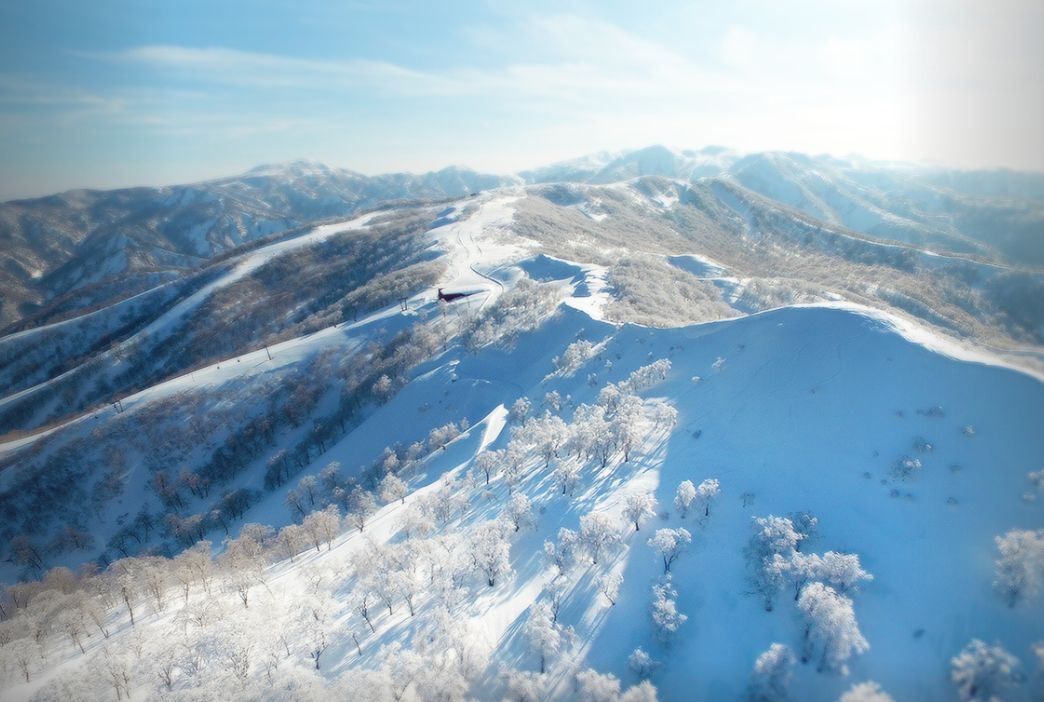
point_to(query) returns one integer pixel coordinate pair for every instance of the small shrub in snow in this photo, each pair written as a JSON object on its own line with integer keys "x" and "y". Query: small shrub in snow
{"x": 771, "y": 675}
{"x": 979, "y": 671}
{"x": 1020, "y": 568}
{"x": 868, "y": 691}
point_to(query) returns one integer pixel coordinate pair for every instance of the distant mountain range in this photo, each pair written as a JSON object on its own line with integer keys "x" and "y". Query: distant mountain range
{"x": 83, "y": 249}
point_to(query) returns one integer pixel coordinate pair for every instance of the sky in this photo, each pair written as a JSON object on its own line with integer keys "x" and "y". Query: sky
{"x": 109, "y": 94}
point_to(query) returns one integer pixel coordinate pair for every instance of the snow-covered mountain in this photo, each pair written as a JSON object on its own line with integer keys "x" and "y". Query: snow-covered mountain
{"x": 829, "y": 439}
{"x": 84, "y": 249}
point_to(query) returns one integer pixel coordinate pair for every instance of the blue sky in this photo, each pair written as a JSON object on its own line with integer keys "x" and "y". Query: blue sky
{"x": 107, "y": 93}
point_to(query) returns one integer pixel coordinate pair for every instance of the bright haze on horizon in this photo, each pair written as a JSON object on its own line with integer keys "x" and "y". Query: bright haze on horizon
{"x": 118, "y": 93}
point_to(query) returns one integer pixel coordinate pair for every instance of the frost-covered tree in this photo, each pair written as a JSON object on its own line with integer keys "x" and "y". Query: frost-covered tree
{"x": 518, "y": 512}
{"x": 830, "y": 628}
{"x": 361, "y": 506}
{"x": 641, "y": 663}
{"x": 773, "y": 536}
{"x": 548, "y": 434}
{"x": 291, "y": 540}
{"x": 393, "y": 488}
{"x": 771, "y": 675}
{"x": 519, "y": 410}
{"x": 563, "y": 553}
{"x": 841, "y": 570}
{"x": 524, "y": 686}
{"x": 513, "y": 466}
{"x": 669, "y": 544}
{"x": 416, "y": 521}
{"x": 684, "y": 498}
{"x": 487, "y": 463}
{"x": 609, "y": 584}
{"x": 322, "y": 526}
{"x": 1020, "y": 569}
{"x": 706, "y": 493}
{"x": 666, "y": 617}
{"x": 598, "y": 532}
{"x": 593, "y": 686}
{"x": 638, "y": 507}
{"x": 543, "y": 633}
{"x": 567, "y": 477}
{"x": 573, "y": 357}
{"x": 868, "y": 691}
{"x": 979, "y": 671}
{"x": 488, "y": 546}
{"x": 626, "y": 426}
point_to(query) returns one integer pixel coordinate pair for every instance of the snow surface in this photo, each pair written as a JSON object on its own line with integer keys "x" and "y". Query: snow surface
{"x": 799, "y": 408}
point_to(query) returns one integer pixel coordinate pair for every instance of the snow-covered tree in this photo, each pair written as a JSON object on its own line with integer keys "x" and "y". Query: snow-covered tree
{"x": 706, "y": 493}
{"x": 519, "y": 410}
{"x": 665, "y": 615}
{"x": 868, "y": 691}
{"x": 638, "y": 507}
{"x": 322, "y": 526}
{"x": 609, "y": 584}
{"x": 489, "y": 550}
{"x": 565, "y": 551}
{"x": 841, "y": 570}
{"x": 543, "y": 633}
{"x": 487, "y": 463}
{"x": 393, "y": 488}
{"x": 773, "y": 536}
{"x": 548, "y": 434}
{"x": 567, "y": 476}
{"x": 980, "y": 671}
{"x": 641, "y": 663}
{"x": 669, "y": 544}
{"x": 291, "y": 540}
{"x": 573, "y": 357}
{"x": 518, "y": 512}
{"x": 416, "y": 521}
{"x": 598, "y": 532}
{"x": 771, "y": 675}
{"x": 684, "y": 498}
{"x": 830, "y": 628}
{"x": 361, "y": 506}
{"x": 593, "y": 686}
{"x": 525, "y": 686}
{"x": 1020, "y": 569}
{"x": 626, "y": 426}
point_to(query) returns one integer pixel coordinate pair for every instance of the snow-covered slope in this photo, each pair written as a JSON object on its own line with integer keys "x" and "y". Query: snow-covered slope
{"x": 794, "y": 411}
{"x": 474, "y": 499}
